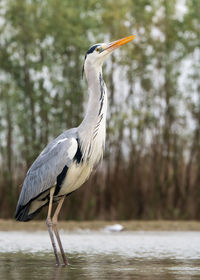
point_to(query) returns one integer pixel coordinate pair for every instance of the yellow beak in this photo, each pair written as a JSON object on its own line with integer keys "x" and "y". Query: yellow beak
{"x": 116, "y": 44}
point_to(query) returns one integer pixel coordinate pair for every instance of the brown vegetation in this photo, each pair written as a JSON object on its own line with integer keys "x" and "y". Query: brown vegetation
{"x": 151, "y": 168}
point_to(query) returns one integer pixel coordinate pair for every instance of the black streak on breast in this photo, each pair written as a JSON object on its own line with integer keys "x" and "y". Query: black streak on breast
{"x": 78, "y": 156}
{"x": 102, "y": 92}
{"x": 60, "y": 179}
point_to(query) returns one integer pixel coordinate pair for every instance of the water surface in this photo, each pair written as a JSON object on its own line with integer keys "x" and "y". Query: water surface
{"x": 102, "y": 255}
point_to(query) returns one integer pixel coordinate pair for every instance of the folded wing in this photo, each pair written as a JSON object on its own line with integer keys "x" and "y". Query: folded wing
{"x": 43, "y": 173}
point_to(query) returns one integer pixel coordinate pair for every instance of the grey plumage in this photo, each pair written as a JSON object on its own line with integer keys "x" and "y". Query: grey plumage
{"x": 45, "y": 169}
{"x": 67, "y": 162}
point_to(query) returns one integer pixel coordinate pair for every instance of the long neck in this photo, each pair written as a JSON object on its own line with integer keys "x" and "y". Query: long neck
{"x": 92, "y": 129}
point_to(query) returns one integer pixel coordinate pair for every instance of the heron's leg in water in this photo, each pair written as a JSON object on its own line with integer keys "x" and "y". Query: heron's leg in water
{"x": 49, "y": 225}
{"x": 55, "y": 222}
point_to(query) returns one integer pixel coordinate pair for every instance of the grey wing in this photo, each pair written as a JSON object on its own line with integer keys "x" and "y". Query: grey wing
{"x": 49, "y": 164}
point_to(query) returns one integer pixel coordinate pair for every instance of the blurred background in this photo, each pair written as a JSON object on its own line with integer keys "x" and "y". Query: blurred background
{"x": 151, "y": 167}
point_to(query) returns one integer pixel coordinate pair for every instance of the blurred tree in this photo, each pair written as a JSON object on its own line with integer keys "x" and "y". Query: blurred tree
{"x": 151, "y": 167}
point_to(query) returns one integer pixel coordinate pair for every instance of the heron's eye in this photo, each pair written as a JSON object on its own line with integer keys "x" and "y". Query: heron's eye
{"x": 99, "y": 49}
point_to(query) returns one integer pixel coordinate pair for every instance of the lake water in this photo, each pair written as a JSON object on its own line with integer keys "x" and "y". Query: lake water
{"x": 102, "y": 255}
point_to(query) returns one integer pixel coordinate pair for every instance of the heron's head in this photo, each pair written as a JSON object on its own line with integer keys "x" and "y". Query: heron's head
{"x": 96, "y": 54}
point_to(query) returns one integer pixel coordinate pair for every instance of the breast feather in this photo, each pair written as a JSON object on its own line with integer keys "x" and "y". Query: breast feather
{"x": 77, "y": 174}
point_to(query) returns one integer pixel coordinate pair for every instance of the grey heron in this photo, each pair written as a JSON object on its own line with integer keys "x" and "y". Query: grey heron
{"x": 67, "y": 161}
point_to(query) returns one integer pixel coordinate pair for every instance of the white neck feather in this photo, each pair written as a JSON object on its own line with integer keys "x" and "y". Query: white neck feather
{"x": 92, "y": 130}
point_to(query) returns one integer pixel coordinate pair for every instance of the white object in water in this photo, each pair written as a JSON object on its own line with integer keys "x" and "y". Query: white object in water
{"x": 116, "y": 227}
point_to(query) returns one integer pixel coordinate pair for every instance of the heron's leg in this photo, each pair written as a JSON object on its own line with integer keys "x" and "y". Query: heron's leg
{"x": 49, "y": 225}
{"x": 55, "y": 222}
